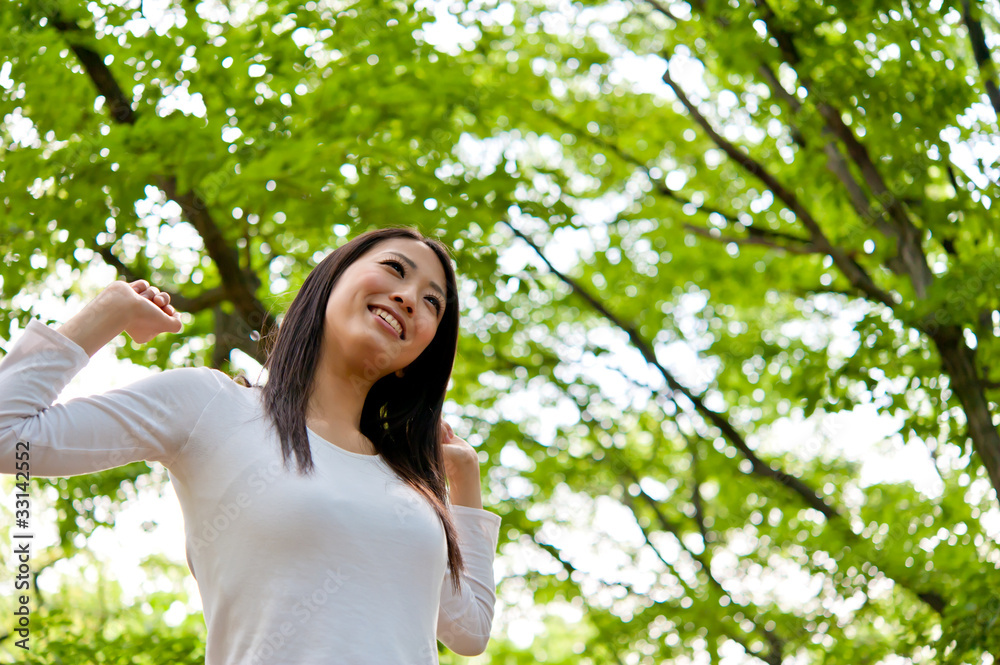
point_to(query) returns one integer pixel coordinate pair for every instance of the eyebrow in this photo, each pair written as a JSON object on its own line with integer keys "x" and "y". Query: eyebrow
{"x": 414, "y": 266}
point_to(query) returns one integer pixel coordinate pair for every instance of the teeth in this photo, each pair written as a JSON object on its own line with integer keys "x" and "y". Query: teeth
{"x": 390, "y": 319}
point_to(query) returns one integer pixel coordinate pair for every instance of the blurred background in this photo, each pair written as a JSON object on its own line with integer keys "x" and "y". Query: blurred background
{"x": 729, "y": 289}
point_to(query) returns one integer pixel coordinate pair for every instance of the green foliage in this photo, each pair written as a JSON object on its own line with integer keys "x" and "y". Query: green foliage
{"x": 90, "y": 624}
{"x": 321, "y": 121}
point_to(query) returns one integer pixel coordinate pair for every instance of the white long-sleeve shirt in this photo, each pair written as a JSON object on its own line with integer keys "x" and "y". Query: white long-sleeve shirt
{"x": 347, "y": 565}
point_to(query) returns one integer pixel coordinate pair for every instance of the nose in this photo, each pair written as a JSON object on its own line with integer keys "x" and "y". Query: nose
{"x": 406, "y": 302}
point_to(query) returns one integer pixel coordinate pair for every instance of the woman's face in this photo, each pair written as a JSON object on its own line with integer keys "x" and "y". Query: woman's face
{"x": 405, "y": 280}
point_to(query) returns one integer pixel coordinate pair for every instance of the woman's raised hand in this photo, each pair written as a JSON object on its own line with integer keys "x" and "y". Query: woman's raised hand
{"x": 461, "y": 464}
{"x": 152, "y": 312}
{"x": 137, "y": 308}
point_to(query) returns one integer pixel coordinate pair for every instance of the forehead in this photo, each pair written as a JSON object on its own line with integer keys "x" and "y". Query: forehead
{"x": 428, "y": 264}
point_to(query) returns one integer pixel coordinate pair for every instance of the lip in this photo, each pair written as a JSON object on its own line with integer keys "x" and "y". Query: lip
{"x": 385, "y": 323}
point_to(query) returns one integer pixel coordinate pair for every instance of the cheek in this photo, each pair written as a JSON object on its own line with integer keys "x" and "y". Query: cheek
{"x": 424, "y": 335}
{"x": 333, "y": 306}
{"x": 374, "y": 280}
{"x": 431, "y": 330}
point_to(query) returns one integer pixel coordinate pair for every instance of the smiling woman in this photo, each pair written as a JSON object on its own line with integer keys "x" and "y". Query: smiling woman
{"x": 382, "y": 313}
{"x": 350, "y": 551}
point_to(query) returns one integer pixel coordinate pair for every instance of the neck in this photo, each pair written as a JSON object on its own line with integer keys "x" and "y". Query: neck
{"x": 338, "y": 393}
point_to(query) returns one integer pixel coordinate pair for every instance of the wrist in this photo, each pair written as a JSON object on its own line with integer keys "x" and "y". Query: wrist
{"x": 464, "y": 487}
{"x": 100, "y": 321}
{"x": 468, "y": 495}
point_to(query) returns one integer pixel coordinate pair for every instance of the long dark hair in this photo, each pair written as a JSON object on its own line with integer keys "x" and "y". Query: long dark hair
{"x": 401, "y": 414}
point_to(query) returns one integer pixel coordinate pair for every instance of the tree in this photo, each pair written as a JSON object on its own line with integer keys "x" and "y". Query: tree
{"x": 790, "y": 167}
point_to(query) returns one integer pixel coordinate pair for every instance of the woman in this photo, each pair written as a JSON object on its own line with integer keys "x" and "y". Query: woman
{"x": 344, "y": 558}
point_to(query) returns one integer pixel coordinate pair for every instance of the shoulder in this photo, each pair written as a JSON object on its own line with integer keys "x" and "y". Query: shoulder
{"x": 192, "y": 386}
{"x": 209, "y": 375}
{"x": 196, "y": 391}
{"x": 233, "y": 389}
{"x": 217, "y": 381}
{"x": 202, "y": 397}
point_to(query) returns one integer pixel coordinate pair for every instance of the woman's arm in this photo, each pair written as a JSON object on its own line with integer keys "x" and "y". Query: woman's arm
{"x": 149, "y": 419}
{"x": 465, "y": 619}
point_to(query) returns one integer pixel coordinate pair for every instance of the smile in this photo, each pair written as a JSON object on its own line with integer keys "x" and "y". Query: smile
{"x": 388, "y": 320}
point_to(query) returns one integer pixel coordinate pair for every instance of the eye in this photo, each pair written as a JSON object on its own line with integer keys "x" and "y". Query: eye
{"x": 437, "y": 304}
{"x": 397, "y": 264}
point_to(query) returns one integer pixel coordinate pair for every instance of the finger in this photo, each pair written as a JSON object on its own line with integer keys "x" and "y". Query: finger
{"x": 172, "y": 318}
{"x": 139, "y": 285}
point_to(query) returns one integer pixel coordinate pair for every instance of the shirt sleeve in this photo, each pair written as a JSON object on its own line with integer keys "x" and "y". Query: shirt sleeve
{"x": 465, "y": 619}
{"x": 149, "y": 419}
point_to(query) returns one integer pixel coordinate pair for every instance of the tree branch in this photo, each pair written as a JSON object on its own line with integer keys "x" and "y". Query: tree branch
{"x": 758, "y": 466}
{"x": 774, "y": 655}
{"x": 790, "y": 100}
{"x": 118, "y": 104}
{"x": 908, "y": 237}
{"x": 658, "y": 183}
{"x": 850, "y": 268}
{"x": 981, "y": 52}
{"x": 958, "y": 358}
{"x": 836, "y": 164}
{"x": 759, "y": 237}
{"x": 696, "y": 498}
{"x": 959, "y": 363}
{"x": 663, "y": 9}
{"x": 239, "y": 286}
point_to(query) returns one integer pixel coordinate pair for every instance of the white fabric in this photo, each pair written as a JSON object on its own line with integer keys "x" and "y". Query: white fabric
{"x": 348, "y": 565}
